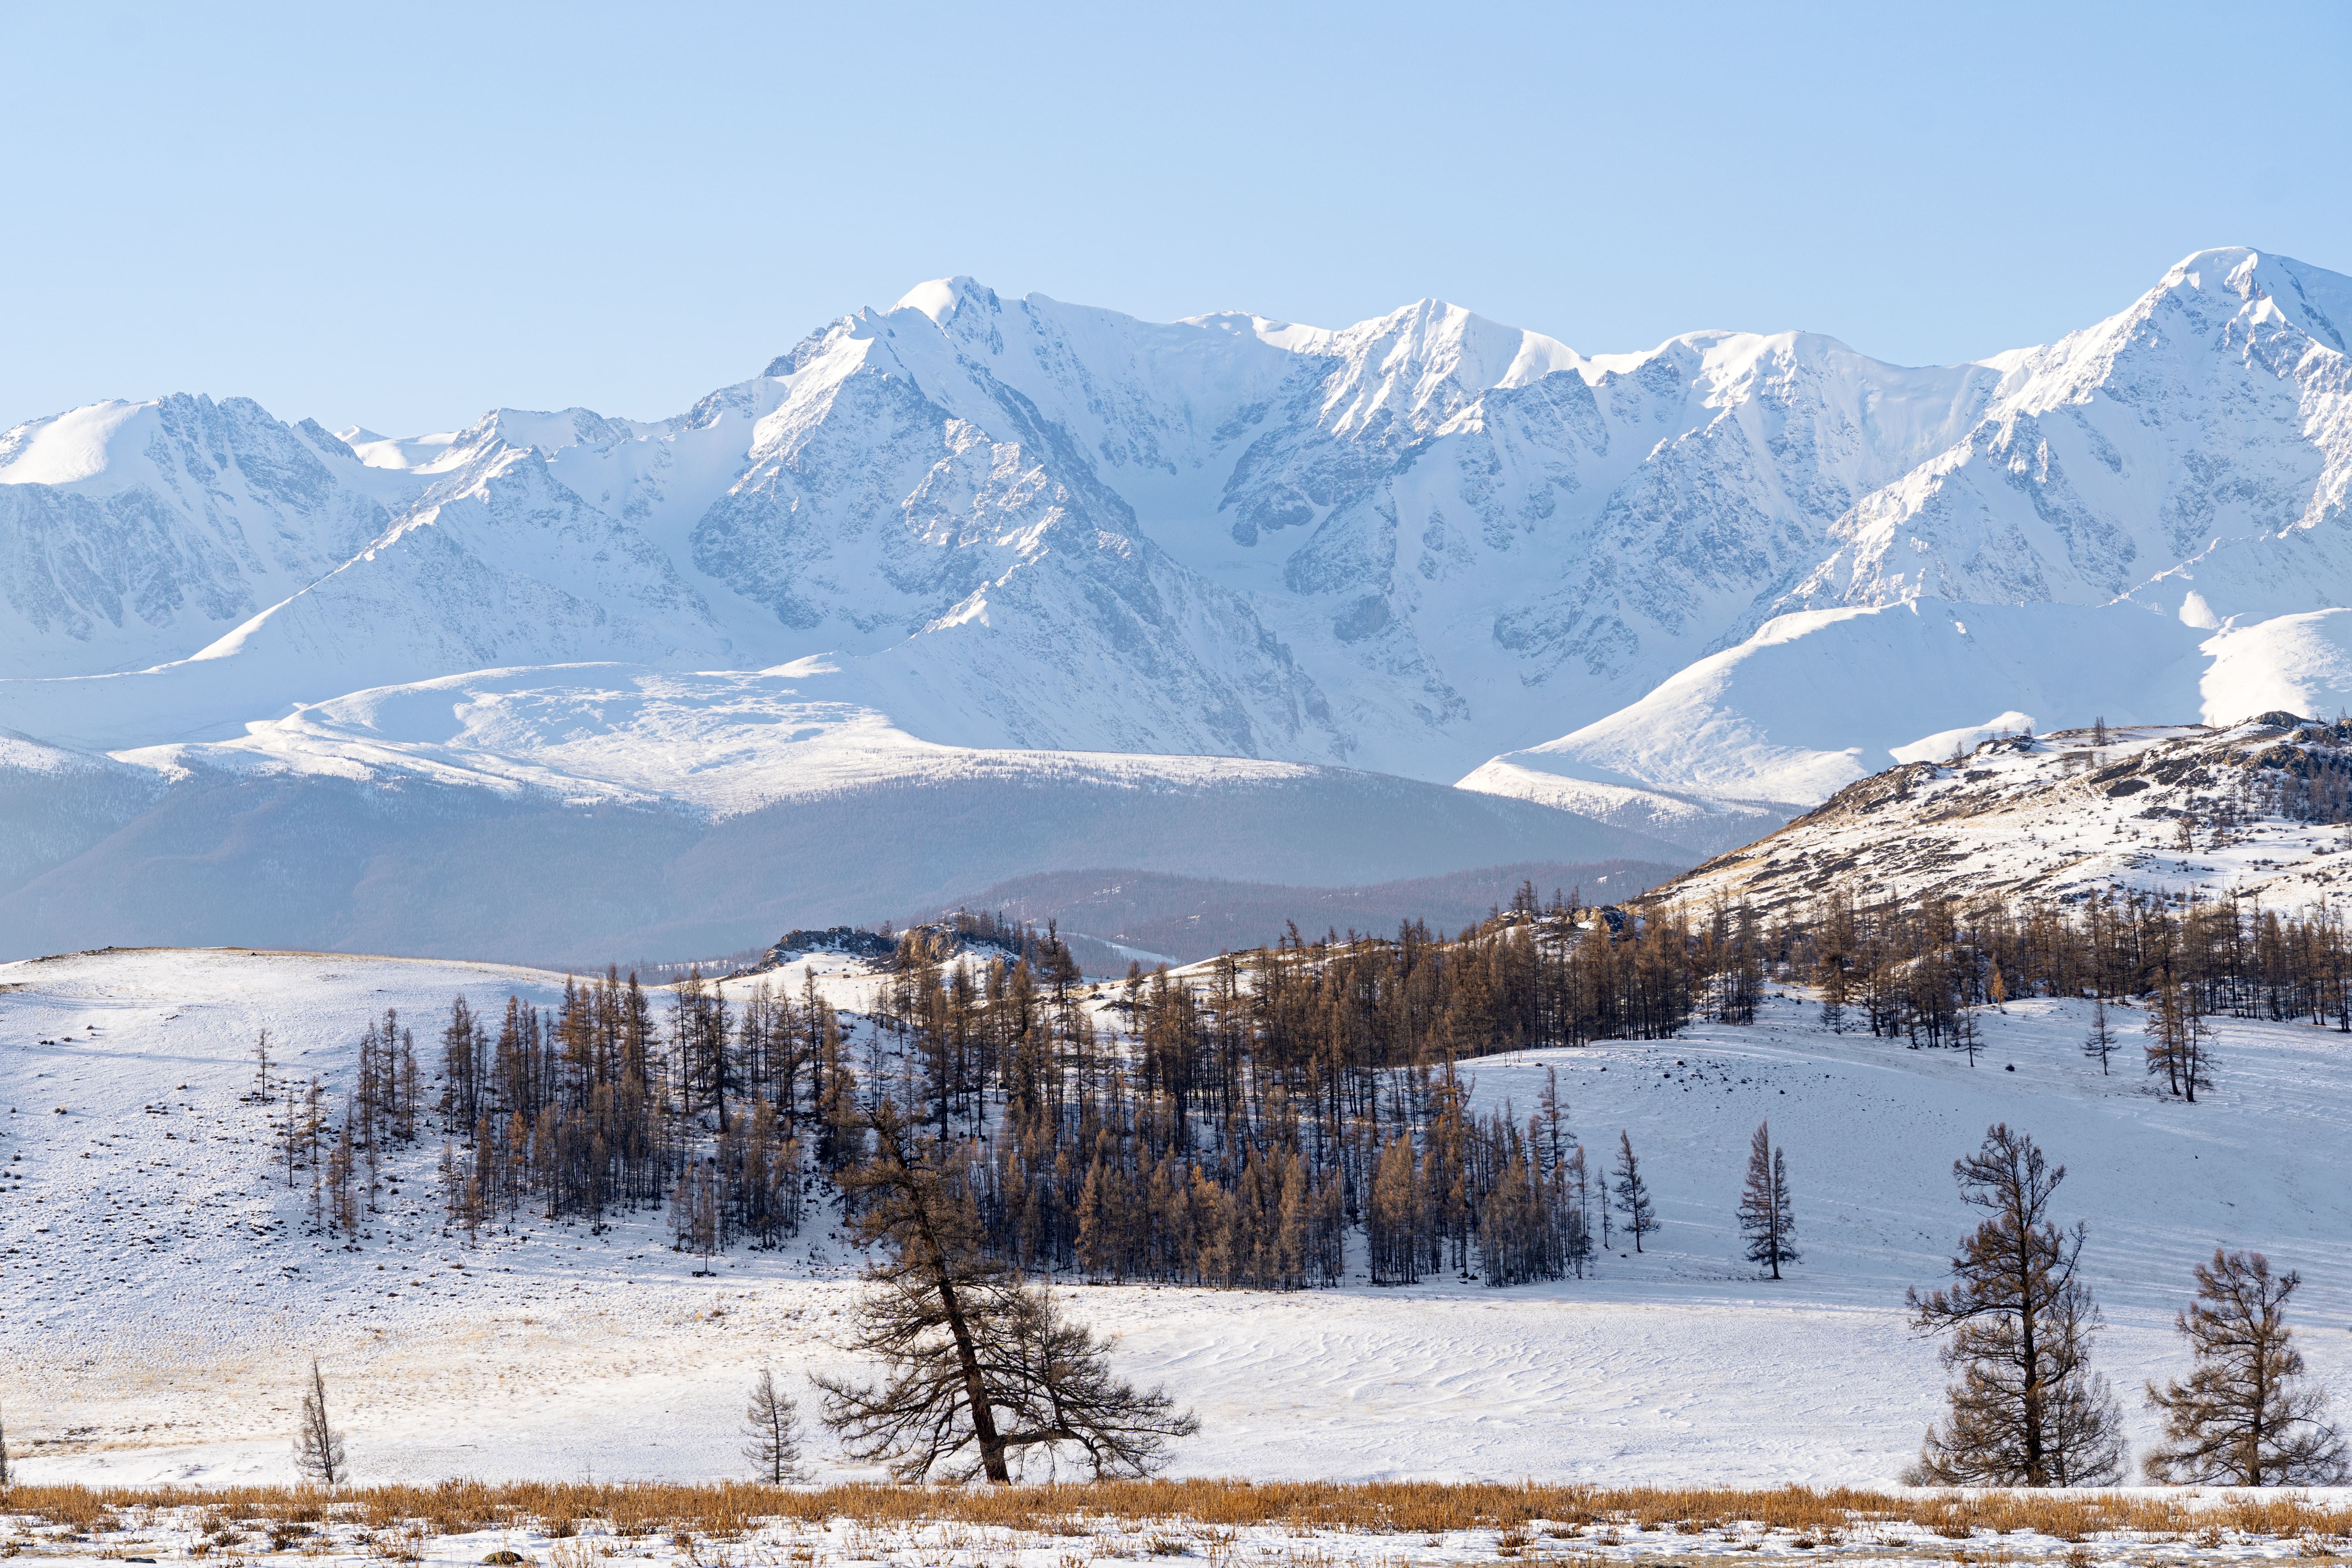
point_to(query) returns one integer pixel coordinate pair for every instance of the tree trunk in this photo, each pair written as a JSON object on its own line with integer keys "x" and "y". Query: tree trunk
{"x": 2029, "y": 1356}
{"x": 975, "y": 1387}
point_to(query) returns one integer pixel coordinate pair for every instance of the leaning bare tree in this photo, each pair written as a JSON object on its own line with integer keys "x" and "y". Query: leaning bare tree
{"x": 2027, "y": 1410}
{"x": 980, "y": 1371}
{"x": 773, "y": 1427}
{"x": 2245, "y": 1417}
{"x": 318, "y": 1447}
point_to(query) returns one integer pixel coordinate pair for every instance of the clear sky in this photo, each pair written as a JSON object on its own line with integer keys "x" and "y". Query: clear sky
{"x": 401, "y": 215}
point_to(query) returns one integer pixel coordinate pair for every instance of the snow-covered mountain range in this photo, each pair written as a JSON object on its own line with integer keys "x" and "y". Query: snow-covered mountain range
{"x": 954, "y": 541}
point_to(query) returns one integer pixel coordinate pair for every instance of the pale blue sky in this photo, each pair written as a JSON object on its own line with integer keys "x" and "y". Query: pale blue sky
{"x": 401, "y": 215}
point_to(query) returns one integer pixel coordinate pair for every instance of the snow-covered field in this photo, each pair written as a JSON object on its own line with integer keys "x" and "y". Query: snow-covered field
{"x": 159, "y": 1294}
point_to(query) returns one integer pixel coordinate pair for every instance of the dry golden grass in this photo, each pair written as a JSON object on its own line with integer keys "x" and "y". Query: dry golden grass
{"x": 728, "y": 1511}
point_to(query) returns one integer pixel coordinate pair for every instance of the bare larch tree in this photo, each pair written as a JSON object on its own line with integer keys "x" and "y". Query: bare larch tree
{"x": 980, "y": 1370}
{"x": 2027, "y": 1410}
{"x": 2179, "y": 1041}
{"x": 773, "y": 1427}
{"x": 2101, "y": 1042}
{"x": 1767, "y": 1217}
{"x": 318, "y": 1447}
{"x": 1632, "y": 1193}
{"x": 2245, "y": 1417}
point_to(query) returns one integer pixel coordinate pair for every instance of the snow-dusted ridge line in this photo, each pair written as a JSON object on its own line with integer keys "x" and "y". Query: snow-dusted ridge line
{"x": 585, "y": 814}
{"x": 2161, "y": 811}
{"x": 716, "y": 744}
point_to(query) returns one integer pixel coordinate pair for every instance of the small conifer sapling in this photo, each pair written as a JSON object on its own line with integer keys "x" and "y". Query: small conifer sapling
{"x": 2100, "y": 1043}
{"x": 1633, "y": 1194}
{"x": 1768, "y": 1218}
{"x": 773, "y": 1427}
{"x": 1830, "y": 978}
{"x": 1966, "y": 1032}
{"x": 318, "y": 1447}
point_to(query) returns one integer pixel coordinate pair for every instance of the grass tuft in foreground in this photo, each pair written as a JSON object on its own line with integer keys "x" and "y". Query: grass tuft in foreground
{"x": 726, "y": 1511}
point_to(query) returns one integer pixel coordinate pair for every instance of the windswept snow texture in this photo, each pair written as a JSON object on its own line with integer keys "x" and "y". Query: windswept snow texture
{"x": 1684, "y": 594}
{"x": 161, "y": 1294}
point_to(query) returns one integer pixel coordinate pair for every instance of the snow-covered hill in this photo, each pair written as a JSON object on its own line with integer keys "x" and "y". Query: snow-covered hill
{"x": 2258, "y": 810}
{"x": 585, "y": 812}
{"x": 1818, "y": 698}
{"x": 160, "y": 1293}
{"x": 1682, "y": 594}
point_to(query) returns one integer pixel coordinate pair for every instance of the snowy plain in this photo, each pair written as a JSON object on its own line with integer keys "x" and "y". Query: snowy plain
{"x": 159, "y": 1296}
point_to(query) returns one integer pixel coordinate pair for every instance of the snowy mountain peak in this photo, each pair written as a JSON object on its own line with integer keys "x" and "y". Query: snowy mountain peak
{"x": 2231, "y": 292}
{"x": 941, "y": 298}
{"x": 2236, "y": 282}
{"x": 417, "y": 454}
{"x": 1429, "y": 358}
{"x": 2315, "y": 299}
{"x": 529, "y": 429}
{"x": 551, "y": 432}
{"x": 115, "y": 445}
{"x": 64, "y": 449}
{"x": 2191, "y": 443}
